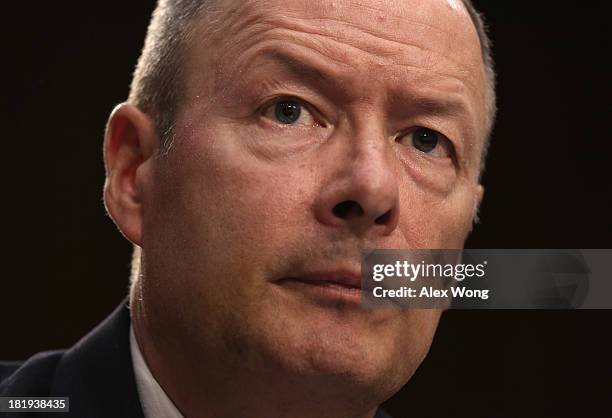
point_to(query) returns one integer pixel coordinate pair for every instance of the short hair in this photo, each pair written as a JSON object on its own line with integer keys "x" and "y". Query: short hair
{"x": 157, "y": 85}
{"x": 489, "y": 66}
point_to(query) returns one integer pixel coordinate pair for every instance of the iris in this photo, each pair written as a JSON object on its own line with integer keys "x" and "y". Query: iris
{"x": 425, "y": 140}
{"x": 287, "y": 111}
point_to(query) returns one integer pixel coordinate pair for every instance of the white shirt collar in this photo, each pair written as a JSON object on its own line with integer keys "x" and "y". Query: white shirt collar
{"x": 155, "y": 403}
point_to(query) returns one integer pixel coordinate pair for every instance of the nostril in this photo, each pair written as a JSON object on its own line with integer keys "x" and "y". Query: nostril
{"x": 348, "y": 209}
{"x": 384, "y": 218}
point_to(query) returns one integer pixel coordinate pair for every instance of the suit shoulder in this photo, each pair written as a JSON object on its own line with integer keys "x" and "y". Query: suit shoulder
{"x": 8, "y": 367}
{"x": 382, "y": 414}
{"x": 31, "y": 378}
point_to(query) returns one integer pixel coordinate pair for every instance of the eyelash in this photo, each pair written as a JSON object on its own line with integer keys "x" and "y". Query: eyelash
{"x": 443, "y": 141}
{"x": 313, "y": 111}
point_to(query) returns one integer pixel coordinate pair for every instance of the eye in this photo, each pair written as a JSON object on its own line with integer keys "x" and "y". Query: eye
{"x": 429, "y": 142}
{"x": 288, "y": 111}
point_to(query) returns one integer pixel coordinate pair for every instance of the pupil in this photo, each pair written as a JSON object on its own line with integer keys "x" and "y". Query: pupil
{"x": 287, "y": 111}
{"x": 425, "y": 139}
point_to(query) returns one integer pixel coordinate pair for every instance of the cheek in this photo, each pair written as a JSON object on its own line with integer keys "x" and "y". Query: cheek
{"x": 234, "y": 197}
{"x": 433, "y": 220}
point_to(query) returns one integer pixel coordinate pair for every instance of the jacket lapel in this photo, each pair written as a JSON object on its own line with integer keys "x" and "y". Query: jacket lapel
{"x": 97, "y": 372}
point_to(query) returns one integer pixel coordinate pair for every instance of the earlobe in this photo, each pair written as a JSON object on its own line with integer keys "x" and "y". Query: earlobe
{"x": 129, "y": 145}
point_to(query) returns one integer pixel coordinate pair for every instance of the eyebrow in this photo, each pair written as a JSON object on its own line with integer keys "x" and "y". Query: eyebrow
{"x": 446, "y": 107}
{"x": 412, "y": 102}
{"x": 297, "y": 66}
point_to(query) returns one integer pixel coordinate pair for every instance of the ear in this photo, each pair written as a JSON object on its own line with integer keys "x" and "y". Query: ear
{"x": 477, "y": 201}
{"x": 129, "y": 145}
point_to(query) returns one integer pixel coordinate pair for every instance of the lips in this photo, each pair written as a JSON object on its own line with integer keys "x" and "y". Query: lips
{"x": 343, "y": 278}
{"x": 333, "y": 286}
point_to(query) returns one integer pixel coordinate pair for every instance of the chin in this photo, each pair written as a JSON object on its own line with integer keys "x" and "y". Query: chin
{"x": 357, "y": 375}
{"x": 344, "y": 359}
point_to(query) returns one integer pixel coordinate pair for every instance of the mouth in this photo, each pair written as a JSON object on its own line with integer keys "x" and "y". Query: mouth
{"x": 333, "y": 286}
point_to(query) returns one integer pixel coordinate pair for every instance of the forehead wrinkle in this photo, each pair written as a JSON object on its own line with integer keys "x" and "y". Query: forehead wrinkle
{"x": 353, "y": 37}
{"x": 285, "y": 60}
{"x": 249, "y": 15}
{"x": 311, "y": 41}
{"x": 407, "y": 17}
{"x": 296, "y": 59}
{"x": 260, "y": 69}
{"x": 398, "y": 21}
{"x": 441, "y": 60}
{"x": 423, "y": 79}
{"x": 247, "y": 22}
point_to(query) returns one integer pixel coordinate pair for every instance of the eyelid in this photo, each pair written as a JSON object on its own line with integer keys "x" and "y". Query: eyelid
{"x": 314, "y": 112}
{"x": 452, "y": 149}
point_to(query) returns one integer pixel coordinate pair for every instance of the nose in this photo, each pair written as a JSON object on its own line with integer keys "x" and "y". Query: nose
{"x": 362, "y": 194}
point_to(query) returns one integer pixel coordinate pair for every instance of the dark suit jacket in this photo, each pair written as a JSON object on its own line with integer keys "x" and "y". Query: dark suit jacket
{"x": 96, "y": 373}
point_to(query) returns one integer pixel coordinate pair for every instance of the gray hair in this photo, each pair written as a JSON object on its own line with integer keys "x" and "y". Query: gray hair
{"x": 489, "y": 65}
{"x": 157, "y": 84}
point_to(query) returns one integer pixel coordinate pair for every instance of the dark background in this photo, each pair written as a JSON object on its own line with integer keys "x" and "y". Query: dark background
{"x": 65, "y": 65}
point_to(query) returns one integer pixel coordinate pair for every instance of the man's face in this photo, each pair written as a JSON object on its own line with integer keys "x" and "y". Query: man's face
{"x": 298, "y": 144}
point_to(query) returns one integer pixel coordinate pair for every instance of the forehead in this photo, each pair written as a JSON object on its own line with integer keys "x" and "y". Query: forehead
{"x": 382, "y": 27}
{"x": 446, "y": 11}
{"x": 435, "y": 35}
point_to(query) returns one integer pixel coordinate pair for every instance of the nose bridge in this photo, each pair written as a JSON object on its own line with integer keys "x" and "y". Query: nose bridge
{"x": 372, "y": 166}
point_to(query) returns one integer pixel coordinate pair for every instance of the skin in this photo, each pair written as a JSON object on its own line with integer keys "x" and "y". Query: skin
{"x": 242, "y": 201}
